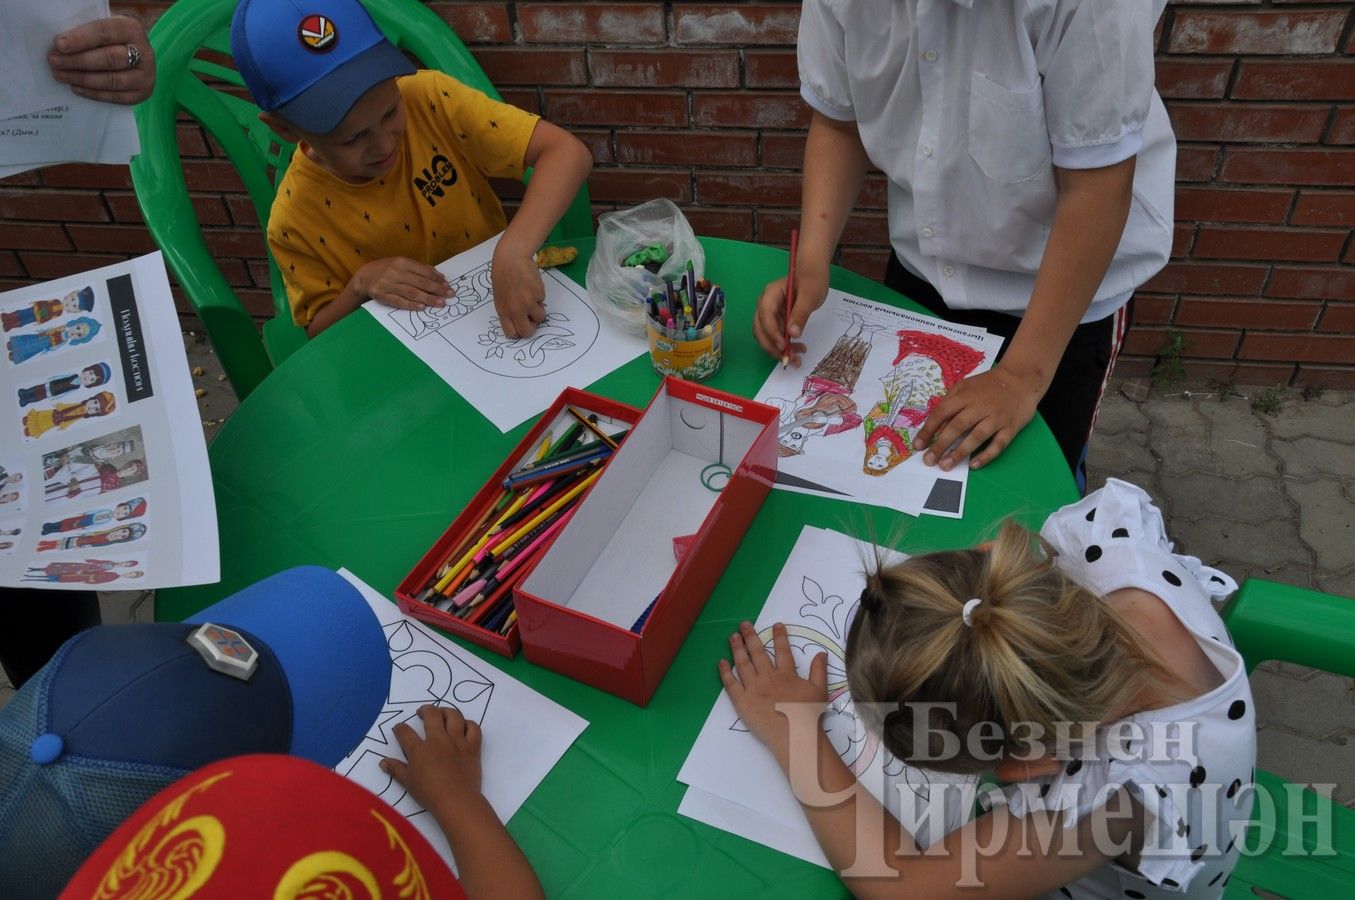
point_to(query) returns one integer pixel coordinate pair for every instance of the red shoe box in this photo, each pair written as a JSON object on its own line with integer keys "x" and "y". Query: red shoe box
{"x": 607, "y": 604}
{"x": 555, "y": 419}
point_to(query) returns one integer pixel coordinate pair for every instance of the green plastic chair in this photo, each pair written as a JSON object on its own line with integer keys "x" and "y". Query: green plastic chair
{"x": 189, "y": 28}
{"x": 1280, "y": 622}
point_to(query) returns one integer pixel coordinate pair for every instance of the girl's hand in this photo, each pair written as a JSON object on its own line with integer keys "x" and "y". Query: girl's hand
{"x": 442, "y": 769}
{"x": 811, "y": 289}
{"x": 519, "y": 295}
{"x": 993, "y": 406}
{"x": 758, "y": 684}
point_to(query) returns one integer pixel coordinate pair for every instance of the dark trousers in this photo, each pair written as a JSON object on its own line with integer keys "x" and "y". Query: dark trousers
{"x": 1069, "y": 406}
{"x": 34, "y": 623}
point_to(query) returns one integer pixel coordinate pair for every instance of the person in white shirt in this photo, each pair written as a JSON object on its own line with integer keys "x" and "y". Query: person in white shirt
{"x": 1031, "y": 175}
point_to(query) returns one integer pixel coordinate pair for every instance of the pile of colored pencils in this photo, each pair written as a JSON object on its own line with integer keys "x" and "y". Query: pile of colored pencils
{"x": 474, "y": 582}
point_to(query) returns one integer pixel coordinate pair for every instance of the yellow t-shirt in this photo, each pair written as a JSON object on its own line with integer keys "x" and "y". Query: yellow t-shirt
{"x": 435, "y": 203}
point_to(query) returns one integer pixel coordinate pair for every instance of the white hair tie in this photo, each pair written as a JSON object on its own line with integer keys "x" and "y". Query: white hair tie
{"x": 969, "y": 611}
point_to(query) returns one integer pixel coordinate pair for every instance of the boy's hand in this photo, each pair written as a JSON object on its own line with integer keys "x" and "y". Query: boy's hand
{"x": 402, "y": 283}
{"x": 519, "y": 295}
{"x": 992, "y": 406}
{"x": 444, "y": 766}
{"x": 811, "y": 289}
{"x": 757, "y": 684}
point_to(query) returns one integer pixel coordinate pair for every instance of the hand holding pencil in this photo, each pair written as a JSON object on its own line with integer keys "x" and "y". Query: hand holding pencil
{"x": 786, "y": 305}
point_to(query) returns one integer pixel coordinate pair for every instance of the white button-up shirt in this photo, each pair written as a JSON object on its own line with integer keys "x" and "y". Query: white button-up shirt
{"x": 967, "y": 107}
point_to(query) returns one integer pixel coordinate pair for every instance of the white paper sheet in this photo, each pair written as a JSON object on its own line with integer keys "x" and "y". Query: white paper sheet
{"x": 525, "y": 733}
{"x": 42, "y": 122}
{"x": 816, "y": 596}
{"x": 510, "y": 380}
{"x": 104, "y": 467}
{"x": 850, "y": 412}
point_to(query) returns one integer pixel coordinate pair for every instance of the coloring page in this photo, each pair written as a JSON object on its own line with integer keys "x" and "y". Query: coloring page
{"x": 816, "y": 597}
{"x": 870, "y": 375}
{"x": 525, "y": 733}
{"x": 100, "y": 426}
{"x": 509, "y": 380}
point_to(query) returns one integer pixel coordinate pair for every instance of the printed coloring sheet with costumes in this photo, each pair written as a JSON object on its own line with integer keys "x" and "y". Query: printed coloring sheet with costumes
{"x": 509, "y": 380}
{"x": 869, "y": 376}
{"x": 734, "y": 782}
{"x": 525, "y": 733}
{"x": 104, "y": 482}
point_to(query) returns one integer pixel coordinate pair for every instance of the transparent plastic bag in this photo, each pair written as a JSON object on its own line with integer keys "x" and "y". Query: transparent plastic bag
{"x": 622, "y": 289}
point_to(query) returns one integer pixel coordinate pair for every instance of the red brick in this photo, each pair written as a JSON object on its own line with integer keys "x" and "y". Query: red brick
{"x": 664, "y": 68}
{"x": 1289, "y": 166}
{"x": 1215, "y": 242}
{"x": 1320, "y": 348}
{"x": 1208, "y": 344}
{"x": 1196, "y": 163}
{"x": 870, "y": 263}
{"x": 873, "y": 193}
{"x": 1236, "y": 373}
{"x": 190, "y": 139}
{"x": 1247, "y": 313}
{"x": 22, "y": 179}
{"x": 1331, "y": 378}
{"x": 783, "y": 151}
{"x": 741, "y": 25}
{"x": 774, "y": 227}
{"x": 749, "y": 109}
{"x": 235, "y": 242}
{"x": 1152, "y": 309}
{"x": 754, "y": 188}
{"x": 1195, "y": 79}
{"x": 1207, "y": 278}
{"x": 598, "y": 142}
{"x": 257, "y": 271}
{"x": 771, "y": 69}
{"x": 616, "y": 108}
{"x": 87, "y": 175}
{"x": 1318, "y": 79}
{"x": 1338, "y": 318}
{"x": 9, "y": 264}
{"x": 1183, "y": 238}
{"x": 1312, "y": 32}
{"x": 638, "y": 185}
{"x": 242, "y": 212}
{"x": 1205, "y": 204}
{"x": 33, "y": 237}
{"x": 736, "y": 224}
{"x": 212, "y": 176}
{"x": 111, "y": 238}
{"x": 1324, "y": 284}
{"x": 1324, "y": 208}
{"x": 523, "y": 98}
{"x": 46, "y": 266}
{"x": 687, "y": 148}
{"x": 1249, "y": 123}
{"x": 60, "y": 206}
{"x": 210, "y": 208}
{"x": 516, "y": 65}
{"x": 1127, "y": 366}
{"x": 1342, "y": 127}
{"x": 599, "y": 23}
{"x": 477, "y": 23}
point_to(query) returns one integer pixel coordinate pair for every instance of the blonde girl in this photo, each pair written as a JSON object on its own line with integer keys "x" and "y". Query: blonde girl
{"x": 1085, "y": 667}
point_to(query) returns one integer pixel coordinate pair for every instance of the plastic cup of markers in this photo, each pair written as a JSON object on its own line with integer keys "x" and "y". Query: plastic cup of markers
{"x": 692, "y": 354}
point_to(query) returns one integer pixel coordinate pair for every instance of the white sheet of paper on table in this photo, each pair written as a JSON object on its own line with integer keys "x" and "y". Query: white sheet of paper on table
{"x": 510, "y": 380}
{"x": 524, "y": 737}
{"x": 848, "y": 374}
{"x": 816, "y": 595}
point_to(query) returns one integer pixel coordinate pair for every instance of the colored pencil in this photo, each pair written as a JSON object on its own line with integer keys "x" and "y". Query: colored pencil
{"x": 601, "y": 435}
{"x": 790, "y": 293}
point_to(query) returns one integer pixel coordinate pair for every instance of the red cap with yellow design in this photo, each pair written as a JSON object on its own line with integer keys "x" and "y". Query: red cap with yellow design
{"x": 264, "y": 826}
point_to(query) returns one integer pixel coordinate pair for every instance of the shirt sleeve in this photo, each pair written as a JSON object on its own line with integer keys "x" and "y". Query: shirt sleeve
{"x": 310, "y": 284}
{"x": 493, "y": 134}
{"x": 822, "y": 58}
{"x": 1096, "y": 59}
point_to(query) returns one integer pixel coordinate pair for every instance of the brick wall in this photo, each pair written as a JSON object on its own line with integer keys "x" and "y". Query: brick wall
{"x": 698, "y": 102}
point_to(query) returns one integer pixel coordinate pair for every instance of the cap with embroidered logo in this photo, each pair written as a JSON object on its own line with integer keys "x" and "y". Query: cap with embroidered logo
{"x": 310, "y": 61}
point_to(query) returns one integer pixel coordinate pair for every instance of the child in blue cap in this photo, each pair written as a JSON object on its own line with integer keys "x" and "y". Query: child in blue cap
{"x": 392, "y": 167}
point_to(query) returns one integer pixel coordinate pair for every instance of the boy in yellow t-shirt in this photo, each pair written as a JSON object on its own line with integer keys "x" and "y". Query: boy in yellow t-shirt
{"x": 392, "y": 167}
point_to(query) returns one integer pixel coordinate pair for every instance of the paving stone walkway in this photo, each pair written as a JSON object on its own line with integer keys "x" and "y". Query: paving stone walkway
{"x": 1265, "y": 494}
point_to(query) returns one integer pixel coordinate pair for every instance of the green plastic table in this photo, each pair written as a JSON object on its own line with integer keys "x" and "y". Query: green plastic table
{"x": 354, "y": 454}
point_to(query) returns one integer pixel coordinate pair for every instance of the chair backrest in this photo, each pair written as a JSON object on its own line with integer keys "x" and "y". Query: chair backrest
{"x": 1304, "y": 859}
{"x": 195, "y": 75}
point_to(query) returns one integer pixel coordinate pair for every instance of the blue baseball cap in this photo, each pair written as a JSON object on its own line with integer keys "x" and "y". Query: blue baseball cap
{"x": 310, "y": 61}
{"x": 296, "y": 663}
